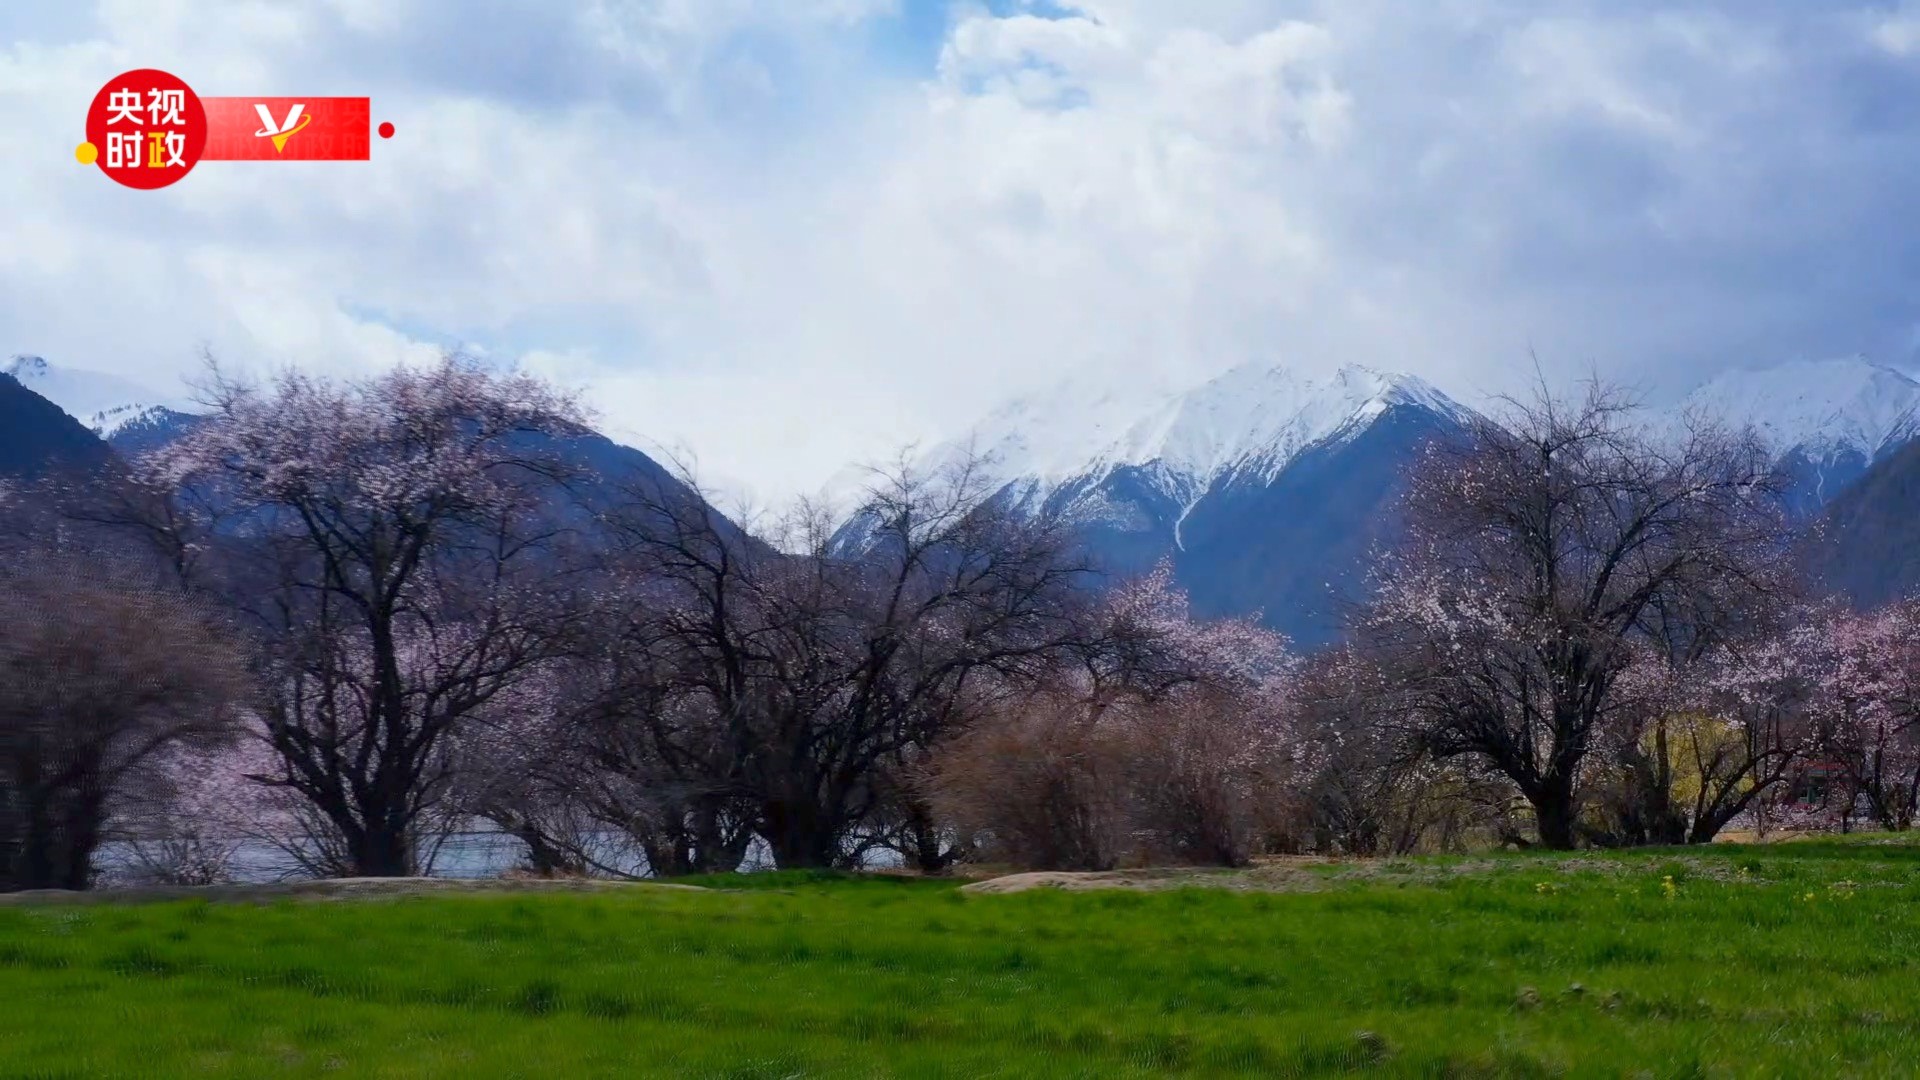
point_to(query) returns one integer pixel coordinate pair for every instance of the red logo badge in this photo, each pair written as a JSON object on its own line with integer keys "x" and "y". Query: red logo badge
{"x": 147, "y": 129}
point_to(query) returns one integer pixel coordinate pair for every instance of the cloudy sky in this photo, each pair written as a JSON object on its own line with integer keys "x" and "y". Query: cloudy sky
{"x": 784, "y": 235}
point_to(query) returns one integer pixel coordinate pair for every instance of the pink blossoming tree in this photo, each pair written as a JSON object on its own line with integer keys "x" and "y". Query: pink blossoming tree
{"x": 391, "y": 542}
{"x": 1538, "y": 558}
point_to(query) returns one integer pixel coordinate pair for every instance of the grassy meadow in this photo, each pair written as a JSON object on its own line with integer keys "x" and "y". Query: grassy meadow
{"x": 1779, "y": 960}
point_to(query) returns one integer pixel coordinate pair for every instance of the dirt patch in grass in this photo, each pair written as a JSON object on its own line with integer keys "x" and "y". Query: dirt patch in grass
{"x": 1290, "y": 874}
{"x": 1082, "y": 881}
{"x": 1270, "y": 875}
{"x": 336, "y": 889}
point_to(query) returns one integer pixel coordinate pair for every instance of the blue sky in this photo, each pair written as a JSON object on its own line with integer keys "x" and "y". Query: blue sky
{"x": 783, "y": 235}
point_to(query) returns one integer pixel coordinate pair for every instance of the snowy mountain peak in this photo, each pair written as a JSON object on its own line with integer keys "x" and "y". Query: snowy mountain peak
{"x": 1820, "y": 407}
{"x": 105, "y": 403}
{"x": 1252, "y": 418}
{"x": 24, "y": 367}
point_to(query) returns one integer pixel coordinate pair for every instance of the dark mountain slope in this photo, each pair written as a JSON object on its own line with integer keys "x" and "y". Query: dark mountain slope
{"x": 1871, "y": 548}
{"x": 1299, "y": 547}
{"x": 37, "y": 438}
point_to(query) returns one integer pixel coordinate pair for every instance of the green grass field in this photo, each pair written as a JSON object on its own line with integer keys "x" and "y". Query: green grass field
{"x": 1788, "y": 959}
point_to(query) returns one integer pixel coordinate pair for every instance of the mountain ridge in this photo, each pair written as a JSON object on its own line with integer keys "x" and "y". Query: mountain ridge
{"x": 1268, "y": 490}
{"x": 38, "y": 438}
{"x": 56, "y": 433}
{"x": 1819, "y": 407}
{"x": 1263, "y": 488}
{"x": 1250, "y": 419}
{"x": 102, "y": 402}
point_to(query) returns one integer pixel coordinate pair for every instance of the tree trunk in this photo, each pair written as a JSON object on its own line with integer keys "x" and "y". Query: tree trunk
{"x": 929, "y": 854}
{"x": 56, "y": 850}
{"x": 85, "y": 820}
{"x": 798, "y": 839}
{"x": 695, "y": 841}
{"x": 547, "y": 859}
{"x": 718, "y": 849}
{"x": 1553, "y": 813}
{"x": 666, "y": 859}
{"x": 1708, "y": 826}
{"x": 384, "y": 851}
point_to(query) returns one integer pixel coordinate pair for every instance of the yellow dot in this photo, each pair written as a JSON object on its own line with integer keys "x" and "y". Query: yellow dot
{"x": 85, "y": 153}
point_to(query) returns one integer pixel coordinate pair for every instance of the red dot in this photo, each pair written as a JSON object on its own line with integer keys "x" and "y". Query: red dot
{"x": 386, "y": 131}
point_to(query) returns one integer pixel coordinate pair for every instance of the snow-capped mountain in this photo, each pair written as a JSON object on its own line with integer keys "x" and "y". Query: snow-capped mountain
{"x": 1264, "y": 487}
{"x": 105, "y": 403}
{"x": 1820, "y": 407}
{"x": 1244, "y": 426}
{"x": 1828, "y": 419}
{"x": 1268, "y": 490}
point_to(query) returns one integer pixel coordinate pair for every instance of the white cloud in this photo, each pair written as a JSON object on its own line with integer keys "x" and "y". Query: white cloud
{"x": 1898, "y": 31}
{"x": 762, "y": 234}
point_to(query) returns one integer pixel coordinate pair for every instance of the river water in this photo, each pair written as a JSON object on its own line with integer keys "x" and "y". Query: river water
{"x": 473, "y": 854}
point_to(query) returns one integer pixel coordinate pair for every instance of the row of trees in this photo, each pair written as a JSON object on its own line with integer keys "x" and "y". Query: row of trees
{"x": 347, "y": 618}
{"x": 440, "y": 616}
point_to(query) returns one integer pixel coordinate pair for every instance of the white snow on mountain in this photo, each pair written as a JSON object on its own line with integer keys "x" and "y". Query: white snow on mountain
{"x": 1821, "y": 407}
{"x": 105, "y": 403}
{"x": 1254, "y": 419}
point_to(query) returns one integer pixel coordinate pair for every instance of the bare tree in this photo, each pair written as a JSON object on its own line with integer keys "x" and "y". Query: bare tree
{"x": 944, "y": 589}
{"x": 100, "y": 675}
{"x": 789, "y": 689}
{"x": 1365, "y": 788}
{"x": 683, "y": 666}
{"x": 551, "y": 766}
{"x": 1537, "y": 558}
